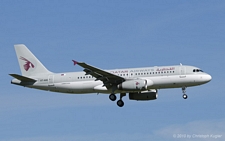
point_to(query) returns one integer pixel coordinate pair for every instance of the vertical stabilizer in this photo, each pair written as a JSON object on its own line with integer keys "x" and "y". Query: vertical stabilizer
{"x": 29, "y": 64}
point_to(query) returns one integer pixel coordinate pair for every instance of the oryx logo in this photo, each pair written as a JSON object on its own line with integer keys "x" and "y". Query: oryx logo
{"x": 137, "y": 83}
{"x": 27, "y": 64}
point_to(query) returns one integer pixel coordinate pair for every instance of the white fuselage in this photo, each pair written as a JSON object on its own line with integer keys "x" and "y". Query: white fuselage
{"x": 77, "y": 82}
{"x": 140, "y": 83}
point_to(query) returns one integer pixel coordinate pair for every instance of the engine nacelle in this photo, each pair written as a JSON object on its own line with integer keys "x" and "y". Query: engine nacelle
{"x": 150, "y": 95}
{"x": 133, "y": 85}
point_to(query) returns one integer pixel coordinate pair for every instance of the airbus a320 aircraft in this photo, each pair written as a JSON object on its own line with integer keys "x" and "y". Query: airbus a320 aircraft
{"x": 140, "y": 83}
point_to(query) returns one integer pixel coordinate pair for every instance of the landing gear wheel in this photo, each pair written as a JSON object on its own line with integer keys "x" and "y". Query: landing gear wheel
{"x": 112, "y": 97}
{"x": 184, "y": 93}
{"x": 120, "y": 103}
{"x": 185, "y": 96}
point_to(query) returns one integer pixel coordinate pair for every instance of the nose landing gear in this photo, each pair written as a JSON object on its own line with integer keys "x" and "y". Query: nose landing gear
{"x": 185, "y": 96}
{"x": 184, "y": 93}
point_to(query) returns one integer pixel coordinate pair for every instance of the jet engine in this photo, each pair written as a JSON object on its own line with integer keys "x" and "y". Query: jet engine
{"x": 135, "y": 85}
{"x": 149, "y": 95}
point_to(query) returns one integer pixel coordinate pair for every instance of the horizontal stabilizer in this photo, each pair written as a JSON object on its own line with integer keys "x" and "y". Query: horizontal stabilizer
{"x": 23, "y": 78}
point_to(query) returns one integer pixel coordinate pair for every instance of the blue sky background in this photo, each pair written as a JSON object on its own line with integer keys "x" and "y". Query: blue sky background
{"x": 113, "y": 34}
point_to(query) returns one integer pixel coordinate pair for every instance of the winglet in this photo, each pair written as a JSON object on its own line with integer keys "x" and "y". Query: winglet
{"x": 74, "y": 62}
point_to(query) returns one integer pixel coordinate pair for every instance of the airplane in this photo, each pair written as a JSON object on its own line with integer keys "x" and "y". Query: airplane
{"x": 141, "y": 84}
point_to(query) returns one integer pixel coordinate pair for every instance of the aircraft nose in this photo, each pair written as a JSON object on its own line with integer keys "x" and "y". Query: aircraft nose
{"x": 207, "y": 78}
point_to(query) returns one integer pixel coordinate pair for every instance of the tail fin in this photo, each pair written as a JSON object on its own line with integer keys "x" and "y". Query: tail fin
{"x": 29, "y": 64}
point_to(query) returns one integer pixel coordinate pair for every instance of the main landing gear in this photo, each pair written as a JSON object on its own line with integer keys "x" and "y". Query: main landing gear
{"x": 120, "y": 102}
{"x": 112, "y": 97}
{"x": 184, "y": 91}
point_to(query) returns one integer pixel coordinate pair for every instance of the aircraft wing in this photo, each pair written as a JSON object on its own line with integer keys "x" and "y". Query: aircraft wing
{"x": 107, "y": 78}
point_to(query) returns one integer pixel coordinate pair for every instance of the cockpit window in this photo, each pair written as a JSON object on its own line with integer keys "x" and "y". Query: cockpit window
{"x": 197, "y": 70}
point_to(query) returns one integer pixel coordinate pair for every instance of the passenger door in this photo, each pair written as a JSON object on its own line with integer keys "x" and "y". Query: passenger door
{"x": 182, "y": 71}
{"x": 51, "y": 80}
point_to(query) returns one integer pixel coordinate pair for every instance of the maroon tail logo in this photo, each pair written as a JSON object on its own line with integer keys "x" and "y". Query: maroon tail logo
{"x": 27, "y": 64}
{"x": 137, "y": 83}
